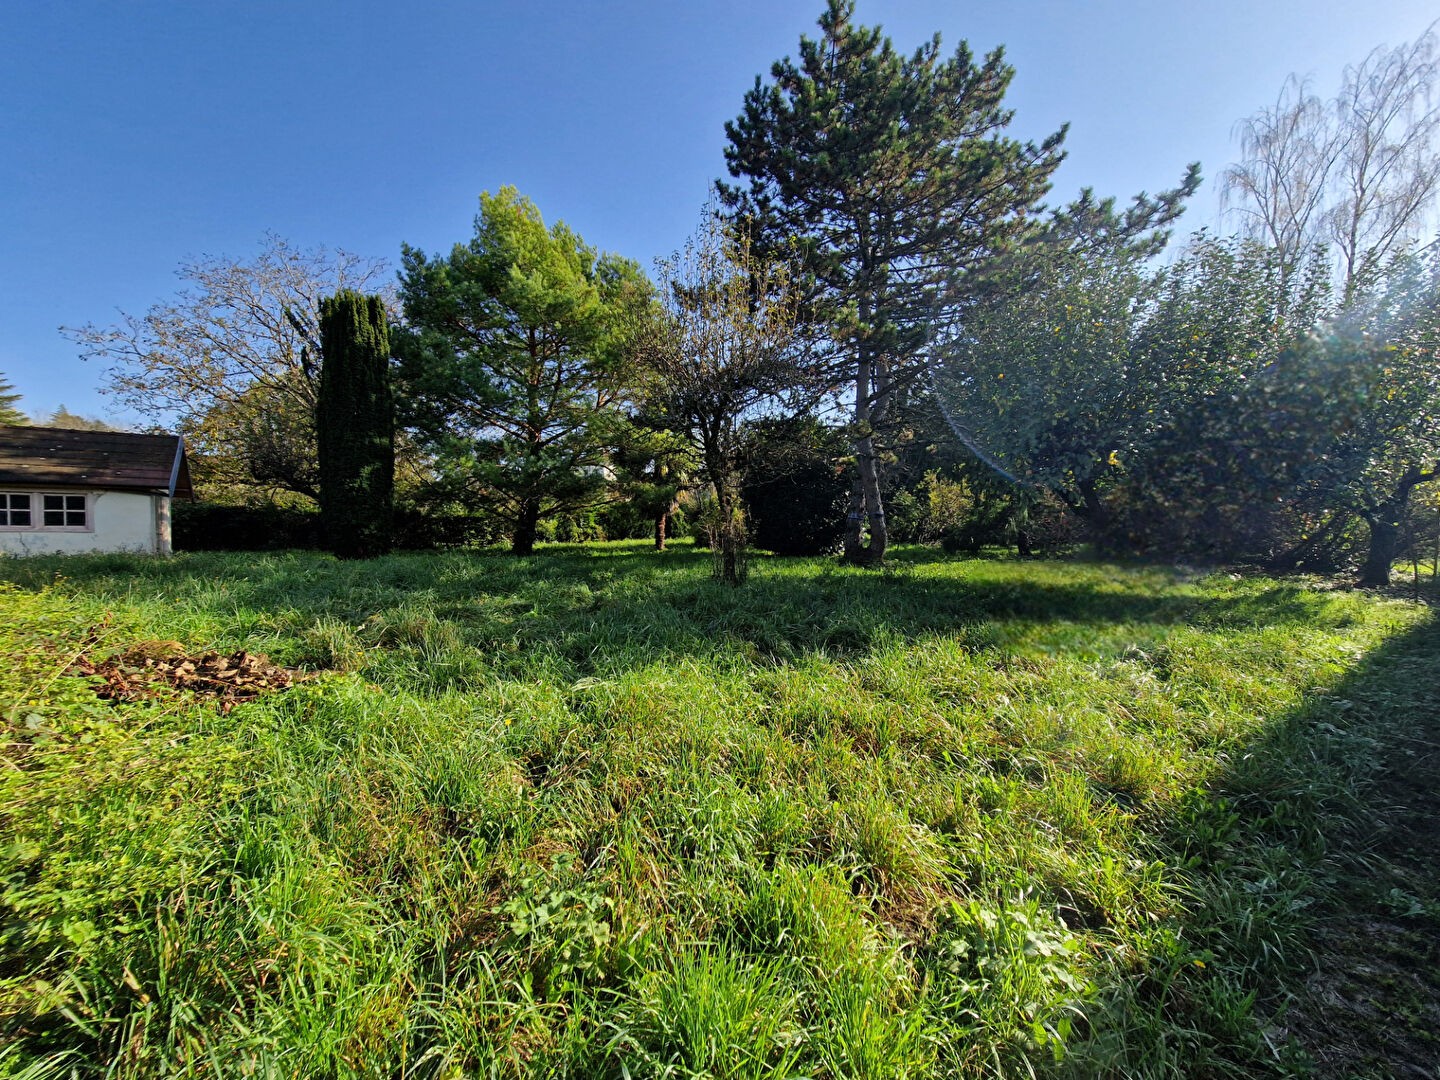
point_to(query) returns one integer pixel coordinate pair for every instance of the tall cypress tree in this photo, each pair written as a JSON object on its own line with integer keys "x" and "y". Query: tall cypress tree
{"x": 886, "y": 177}
{"x": 355, "y": 425}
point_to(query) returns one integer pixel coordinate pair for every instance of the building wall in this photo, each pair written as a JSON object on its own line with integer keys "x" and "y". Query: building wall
{"x": 123, "y": 521}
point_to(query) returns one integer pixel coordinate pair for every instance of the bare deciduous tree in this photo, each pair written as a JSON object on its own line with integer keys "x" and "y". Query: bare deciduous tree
{"x": 1280, "y": 189}
{"x": 234, "y": 358}
{"x": 1360, "y": 172}
{"x": 726, "y": 351}
{"x": 1388, "y": 166}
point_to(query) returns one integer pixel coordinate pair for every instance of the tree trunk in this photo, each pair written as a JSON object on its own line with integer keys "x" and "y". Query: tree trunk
{"x": 874, "y": 552}
{"x": 866, "y": 507}
{"x": 855, "y": 516}
{"x": 1385, "y": 521}
{"x": 729, "y": 533}
{"x": 1384, "y": 545}
{"x": 729, "y": 561}
{"x": 661, "y": 522}
{"x": 526, "y": 525}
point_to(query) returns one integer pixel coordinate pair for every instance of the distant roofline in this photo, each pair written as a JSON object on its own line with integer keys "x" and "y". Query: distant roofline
{"x": 36, "y": 456}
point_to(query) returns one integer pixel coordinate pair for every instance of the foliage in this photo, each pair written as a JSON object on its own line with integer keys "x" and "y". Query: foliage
{"x": 1133, "y": 394}
{"x": 269, "y": 527}
{"x": 512, "y": 363}
{"x": 884, "y": 178}
{"x": 795, "y": 486}
{"x": 926, "y": 444}
{"x": 1373, "y": 378}
{"x": 64, "y": 418}
{"x": 1042, "y": 376}
{"x": 599, "y": 812}
{"x": 205, "y": 526}
{"x": 1216, "y": 465}
{"x": 9, "y": 414}
{"x": 234, "y": 360}
{"x": 724, "y": 351}
{"x": 1224, "y": 406}
{"x": 355, "y": 426}
{"x": 1308, "y": 414}
{"x": 653, "y": 469}
{"x": 935, "y": 507}
{"x": 1039, "y": 380}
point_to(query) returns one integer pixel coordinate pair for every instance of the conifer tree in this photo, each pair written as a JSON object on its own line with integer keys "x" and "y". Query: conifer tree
{"x": 9, "y": 414}
{"x": 355, "y": 425}
{"x": 885, "y": 178}
{"x": 513, "y": 357}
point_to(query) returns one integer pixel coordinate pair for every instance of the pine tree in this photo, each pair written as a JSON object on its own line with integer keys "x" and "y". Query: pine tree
{"x": 355, "y": 425}
{"x": 9, "y": 414}
{"x": 64, "y": 418}
{"x": 885, "y": 178}
{"x": 514, "y": 361}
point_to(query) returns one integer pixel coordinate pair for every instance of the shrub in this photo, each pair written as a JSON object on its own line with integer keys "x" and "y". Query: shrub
{"x": 215, "y": 527}
{"x": 932, "y": 509}
{"x": 796, "y": 487}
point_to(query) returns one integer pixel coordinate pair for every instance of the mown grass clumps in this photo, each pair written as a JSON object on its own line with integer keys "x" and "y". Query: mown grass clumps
{"x": 591, "y": 814}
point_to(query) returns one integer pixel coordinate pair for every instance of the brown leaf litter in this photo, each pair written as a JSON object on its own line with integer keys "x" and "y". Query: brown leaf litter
{"x": 146, "y": 669}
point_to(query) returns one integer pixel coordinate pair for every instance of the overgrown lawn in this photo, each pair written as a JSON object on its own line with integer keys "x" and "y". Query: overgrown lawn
{"x": 592, "y": 814}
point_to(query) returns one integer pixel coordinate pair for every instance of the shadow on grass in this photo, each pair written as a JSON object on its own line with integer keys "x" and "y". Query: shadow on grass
{"x": 1310, "y": 938}
{"x": 587, "y": 602}
{"x": 1282, "y": 847}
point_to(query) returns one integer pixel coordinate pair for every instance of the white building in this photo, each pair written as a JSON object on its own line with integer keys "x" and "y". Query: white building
{"x": 64, "y": 491}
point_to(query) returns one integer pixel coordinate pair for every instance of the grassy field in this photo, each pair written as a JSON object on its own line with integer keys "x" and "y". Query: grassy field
{"x": 591, "y": 814}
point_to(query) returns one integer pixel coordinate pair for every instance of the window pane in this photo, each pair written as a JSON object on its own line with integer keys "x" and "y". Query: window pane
{"x": 63, "y": 511}
{"x": 15, "y": 509}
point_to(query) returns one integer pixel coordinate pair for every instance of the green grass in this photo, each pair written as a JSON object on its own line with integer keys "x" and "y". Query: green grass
{"x": 591, "y": 814}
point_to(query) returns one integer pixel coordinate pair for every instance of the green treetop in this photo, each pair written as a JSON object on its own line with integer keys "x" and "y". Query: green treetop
{"x": 885, "y": 178}
{"x": 513, "y": 362}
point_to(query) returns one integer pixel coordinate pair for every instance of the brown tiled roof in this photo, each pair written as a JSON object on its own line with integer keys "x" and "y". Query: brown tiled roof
{"x": 96, "y": 459}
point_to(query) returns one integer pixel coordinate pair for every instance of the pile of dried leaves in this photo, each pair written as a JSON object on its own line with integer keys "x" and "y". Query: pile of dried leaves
{"x": 144, "y": 669}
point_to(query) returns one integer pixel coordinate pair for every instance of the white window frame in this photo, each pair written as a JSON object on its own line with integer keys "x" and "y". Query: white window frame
{"x": 5, "y": 525}
{"x": 37, "y": 513}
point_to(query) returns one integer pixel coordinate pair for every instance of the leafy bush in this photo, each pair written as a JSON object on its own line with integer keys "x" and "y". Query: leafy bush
{"x": 419, "y": 530}
{"x": 215, "y": 527}
{"x": 933, "y": 508}
{"x": 796, "y": 487}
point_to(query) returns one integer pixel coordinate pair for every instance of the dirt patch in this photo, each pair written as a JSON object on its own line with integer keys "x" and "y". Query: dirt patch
{"x": 151, "y": 668}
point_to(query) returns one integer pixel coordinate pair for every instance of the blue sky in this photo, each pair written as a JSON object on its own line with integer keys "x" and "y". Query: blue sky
{"x": 134, "y": 135}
